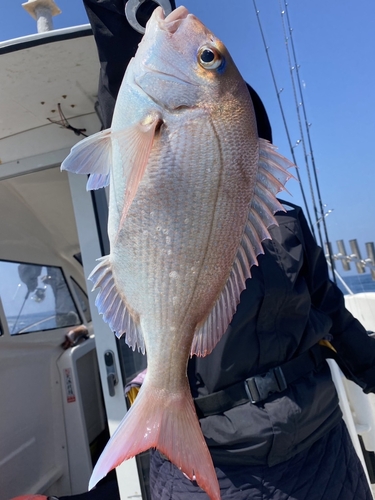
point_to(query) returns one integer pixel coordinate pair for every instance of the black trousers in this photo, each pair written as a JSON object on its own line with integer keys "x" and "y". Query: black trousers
{"x": 328, "y": 470}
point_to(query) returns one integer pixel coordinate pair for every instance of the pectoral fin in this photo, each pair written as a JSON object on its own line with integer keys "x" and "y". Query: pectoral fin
{"x": 135, "y": 144}
{"x": 94, "y": 156}
{"x": 91, "y": 156}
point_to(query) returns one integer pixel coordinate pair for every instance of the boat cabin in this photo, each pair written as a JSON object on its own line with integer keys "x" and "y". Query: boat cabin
{"x": 56, "y": 417}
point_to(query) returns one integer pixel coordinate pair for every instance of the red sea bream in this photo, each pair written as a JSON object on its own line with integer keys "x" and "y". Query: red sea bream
{"x": 192, "y": 192}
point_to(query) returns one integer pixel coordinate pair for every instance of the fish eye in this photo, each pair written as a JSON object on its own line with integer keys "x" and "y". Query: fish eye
{"x": 209, "y": 58}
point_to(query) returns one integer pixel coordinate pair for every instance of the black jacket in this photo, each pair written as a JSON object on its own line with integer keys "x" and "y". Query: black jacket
{"x": 288, "y": 306}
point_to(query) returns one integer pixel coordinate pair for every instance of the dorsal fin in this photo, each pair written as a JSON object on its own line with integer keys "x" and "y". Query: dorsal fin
{"x": 271, "y": 176}
{"x": 111, "y": 305}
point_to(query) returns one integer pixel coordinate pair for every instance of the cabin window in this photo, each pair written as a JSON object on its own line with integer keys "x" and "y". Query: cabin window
{"x": 83, "y": 300}
{"x": 35, "y": 298}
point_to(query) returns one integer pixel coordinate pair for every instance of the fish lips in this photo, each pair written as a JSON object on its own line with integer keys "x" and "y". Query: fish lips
{"x": 171, "y": 23}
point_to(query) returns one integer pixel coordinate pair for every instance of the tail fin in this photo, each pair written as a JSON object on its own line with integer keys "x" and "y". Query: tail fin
{"x": 169, "y": 423}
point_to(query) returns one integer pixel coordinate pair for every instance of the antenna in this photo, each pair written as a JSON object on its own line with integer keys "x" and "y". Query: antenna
{"x": 42, "y": 11}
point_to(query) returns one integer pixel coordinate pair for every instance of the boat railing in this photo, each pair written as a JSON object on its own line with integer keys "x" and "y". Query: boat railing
{"x": 354, "y": 257}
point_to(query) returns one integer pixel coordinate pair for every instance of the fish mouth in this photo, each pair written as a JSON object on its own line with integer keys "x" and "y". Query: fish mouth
{"x": 172, "y": 22}
{"x": 160, "y": 29}
{"x": 168, "y": 25}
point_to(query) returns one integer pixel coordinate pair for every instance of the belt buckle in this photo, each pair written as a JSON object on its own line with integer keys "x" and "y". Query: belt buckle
{"x": 259, "y": 387}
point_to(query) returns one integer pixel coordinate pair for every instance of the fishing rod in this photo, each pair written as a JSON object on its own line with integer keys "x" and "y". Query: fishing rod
{"x": 278, "y": 92}
{"x": 296, "y": 66}
{"x": 19, "y": 314}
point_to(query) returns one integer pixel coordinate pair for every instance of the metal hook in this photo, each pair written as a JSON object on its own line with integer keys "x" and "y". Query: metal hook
{"x": 132, "y": 6}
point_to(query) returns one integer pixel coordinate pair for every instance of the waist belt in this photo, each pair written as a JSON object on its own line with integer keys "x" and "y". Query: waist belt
{"x": 260, "y": 387}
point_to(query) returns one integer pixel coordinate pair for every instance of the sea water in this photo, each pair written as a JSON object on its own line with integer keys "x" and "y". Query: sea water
{"x": 358, "y": 283}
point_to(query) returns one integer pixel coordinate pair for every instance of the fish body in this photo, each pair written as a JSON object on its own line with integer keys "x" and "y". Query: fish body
{"x": 192, "y": 192}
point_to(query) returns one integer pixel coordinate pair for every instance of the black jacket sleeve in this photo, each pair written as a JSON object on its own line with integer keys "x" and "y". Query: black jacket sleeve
{"x": 355, "y": 348}
{"x": 117, "y": 43}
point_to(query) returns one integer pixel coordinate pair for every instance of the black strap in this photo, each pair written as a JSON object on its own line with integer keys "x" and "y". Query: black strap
{"x": 260, "y": 387}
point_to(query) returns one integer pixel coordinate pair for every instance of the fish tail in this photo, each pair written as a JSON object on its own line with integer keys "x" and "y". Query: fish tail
{"x": 169, "y": 423}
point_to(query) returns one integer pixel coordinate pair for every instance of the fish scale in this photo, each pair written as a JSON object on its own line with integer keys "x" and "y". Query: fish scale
{"x": 190, "y": 238}
{"x": 192, "y": 192}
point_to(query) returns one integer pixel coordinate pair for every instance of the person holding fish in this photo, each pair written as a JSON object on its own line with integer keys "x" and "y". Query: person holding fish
{"x": 209, "y": 270}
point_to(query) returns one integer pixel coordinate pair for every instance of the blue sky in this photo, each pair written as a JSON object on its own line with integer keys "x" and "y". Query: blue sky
{"x": 334, "y": 42}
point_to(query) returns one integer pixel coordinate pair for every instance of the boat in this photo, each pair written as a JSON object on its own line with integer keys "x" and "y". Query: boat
{"x": 57, "y": 417}
{"x": 61, "y": 385}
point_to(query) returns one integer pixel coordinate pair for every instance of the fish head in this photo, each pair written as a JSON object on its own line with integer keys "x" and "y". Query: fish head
{"x": 181, "y": 63}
